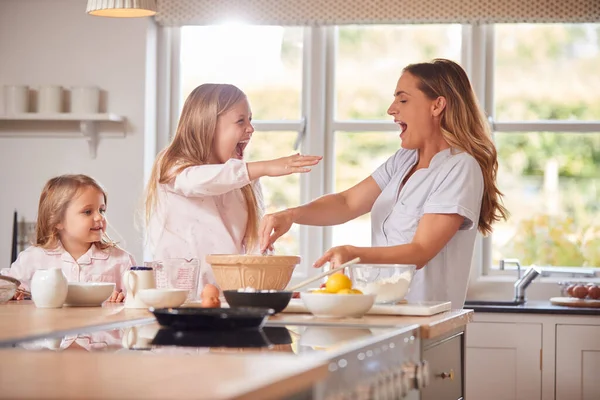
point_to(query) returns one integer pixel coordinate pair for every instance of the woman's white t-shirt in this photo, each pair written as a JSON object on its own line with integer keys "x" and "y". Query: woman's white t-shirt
{"x": 452, "y": 184}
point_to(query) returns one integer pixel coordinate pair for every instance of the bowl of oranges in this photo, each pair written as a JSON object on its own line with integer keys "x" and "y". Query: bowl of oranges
{"x": 337, "y": 299}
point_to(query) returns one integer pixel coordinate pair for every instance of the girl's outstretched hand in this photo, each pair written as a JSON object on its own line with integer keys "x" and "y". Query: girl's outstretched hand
{"x": 294, "y": 164}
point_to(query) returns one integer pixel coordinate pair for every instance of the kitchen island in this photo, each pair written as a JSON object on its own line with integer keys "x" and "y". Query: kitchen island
{"x": 216, "y": 374}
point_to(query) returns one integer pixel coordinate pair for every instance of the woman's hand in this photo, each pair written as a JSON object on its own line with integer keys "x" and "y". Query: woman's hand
{"x": 116, "y": 297}
{"x": 273, "y": 226}
{"x": 336, "y": 256}
{"x": 296, "y": 163}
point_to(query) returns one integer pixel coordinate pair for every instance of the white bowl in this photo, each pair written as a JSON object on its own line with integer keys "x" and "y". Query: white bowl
{"x": 88, "y": 294}
{"x": 338, "y": 305}
{"x": 163, "y": 298}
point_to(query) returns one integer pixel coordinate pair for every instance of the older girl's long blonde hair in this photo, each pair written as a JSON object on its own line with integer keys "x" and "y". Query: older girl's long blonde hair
{"x": 464, "y": 127}
{"x": 54, "y": 201}
{"x": 193, "y": 144}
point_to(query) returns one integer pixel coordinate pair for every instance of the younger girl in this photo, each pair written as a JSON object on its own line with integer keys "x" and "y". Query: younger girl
{"x": 202, "y": 197}
{"x": 71, "y": 235}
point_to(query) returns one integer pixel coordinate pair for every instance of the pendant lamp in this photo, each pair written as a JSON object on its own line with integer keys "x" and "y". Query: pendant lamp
{"x": 121, "y": 8}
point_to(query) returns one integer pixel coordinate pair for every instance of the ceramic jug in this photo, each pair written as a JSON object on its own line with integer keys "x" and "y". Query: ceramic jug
{"x": 49, "y": 288}
{"x": 134, "y": 280}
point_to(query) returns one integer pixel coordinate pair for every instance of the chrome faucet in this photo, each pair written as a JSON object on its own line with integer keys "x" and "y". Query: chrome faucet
{"x": 522, "y": 282}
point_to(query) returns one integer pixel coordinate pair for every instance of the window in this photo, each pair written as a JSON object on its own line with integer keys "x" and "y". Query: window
{"x": 540, "y": 89}
{"x": 546, "y": 81}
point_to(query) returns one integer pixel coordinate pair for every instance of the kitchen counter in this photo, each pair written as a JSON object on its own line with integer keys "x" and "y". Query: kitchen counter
{"x": 21, "y": 319}
{"x": 78, "y": 374}
{"x": 533, "y": 307}
{"x": 430, "y": 327}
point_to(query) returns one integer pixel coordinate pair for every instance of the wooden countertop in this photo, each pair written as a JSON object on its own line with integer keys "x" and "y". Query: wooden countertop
{"x": 77, "y": 375}
{"x": 431, "y": 327}
{"x": 23, "y": 319}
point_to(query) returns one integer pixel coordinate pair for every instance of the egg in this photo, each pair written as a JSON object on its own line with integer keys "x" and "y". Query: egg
{"x": 210, "y": 302}
{"x": 594, "y": 292}
{"x": 580, "y": 291}
{"x": 570, "y": 290}
{"x": 209, "y": 291}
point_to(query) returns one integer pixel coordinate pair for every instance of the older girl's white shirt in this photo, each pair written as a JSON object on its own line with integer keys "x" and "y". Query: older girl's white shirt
{"x": 202, "y": 212}
{"x": 452, "y": 184}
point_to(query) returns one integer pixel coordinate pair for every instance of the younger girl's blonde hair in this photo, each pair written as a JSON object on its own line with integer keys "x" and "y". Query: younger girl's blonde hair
{"x": 193, "y": 144}
{"x": 464, "y": 127}
{"x": 54, "y": 201}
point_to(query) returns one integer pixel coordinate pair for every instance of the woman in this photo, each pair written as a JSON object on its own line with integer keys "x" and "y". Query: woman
{"x": 426, "y": 200}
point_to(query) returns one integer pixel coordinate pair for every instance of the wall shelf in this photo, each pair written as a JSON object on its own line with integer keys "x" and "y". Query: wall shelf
{"x": 88, "y": 126}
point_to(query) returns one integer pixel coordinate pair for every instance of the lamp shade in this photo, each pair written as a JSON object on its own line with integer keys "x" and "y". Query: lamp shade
{"x": 121, "y": 8}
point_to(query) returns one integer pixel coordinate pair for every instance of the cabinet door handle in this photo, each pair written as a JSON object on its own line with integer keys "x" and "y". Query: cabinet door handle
{"x": 448, "y": 375}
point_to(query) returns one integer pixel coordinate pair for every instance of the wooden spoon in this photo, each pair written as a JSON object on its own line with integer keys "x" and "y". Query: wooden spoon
{"x": 324, "y": 274}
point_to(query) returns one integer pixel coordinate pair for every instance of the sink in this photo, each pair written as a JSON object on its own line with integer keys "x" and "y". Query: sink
{"x": 493, "y": 303}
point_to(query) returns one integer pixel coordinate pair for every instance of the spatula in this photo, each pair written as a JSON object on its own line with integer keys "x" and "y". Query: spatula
{"x": 324, "y": 274}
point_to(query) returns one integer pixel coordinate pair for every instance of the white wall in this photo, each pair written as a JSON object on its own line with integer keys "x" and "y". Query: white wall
{"x": 56, "y": 42}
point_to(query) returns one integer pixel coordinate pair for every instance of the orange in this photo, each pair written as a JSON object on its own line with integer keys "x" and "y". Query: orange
{"x": 345, "y": 291}
{"x": 337, "y": 282}
{"x": 356, "y": 291}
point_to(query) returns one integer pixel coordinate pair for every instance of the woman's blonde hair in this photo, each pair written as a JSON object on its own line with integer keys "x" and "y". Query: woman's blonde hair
{"x": 464, "y": 127}
{"x": 54, "y": 201}
{"x": 193, "y": 144}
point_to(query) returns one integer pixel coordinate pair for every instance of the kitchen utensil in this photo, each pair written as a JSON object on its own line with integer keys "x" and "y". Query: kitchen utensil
{"x": 275, "y": 300}
{"x": 190, "y": 318}
{"x": 88, "y": 294}
{"x": 324, "y": 274}
{"x": 325, "y": 305}
{"x": 235, "y": 271}
{"x": 179, "y": 273}
{"x": 389, "y": 282}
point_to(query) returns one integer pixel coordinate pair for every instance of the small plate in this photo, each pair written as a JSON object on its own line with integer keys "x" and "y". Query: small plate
{"x": 191, "y": 318}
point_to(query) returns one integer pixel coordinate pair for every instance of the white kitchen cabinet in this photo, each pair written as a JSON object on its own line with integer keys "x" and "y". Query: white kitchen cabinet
{"x": 577, "y": 362}
{"x": 503, "y": 361}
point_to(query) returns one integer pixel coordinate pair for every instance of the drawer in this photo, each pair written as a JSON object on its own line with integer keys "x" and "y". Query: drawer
{"x": 444, "y": 358}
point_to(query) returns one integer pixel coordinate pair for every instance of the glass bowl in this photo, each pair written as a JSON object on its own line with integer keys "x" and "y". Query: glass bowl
{"x": 389, "y": 282}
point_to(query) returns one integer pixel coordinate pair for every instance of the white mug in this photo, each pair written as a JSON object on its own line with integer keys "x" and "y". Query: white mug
{"x": 16, "y": 99}
{"x": 49, "y": 288}
{"x": 134, "y": 280}
{"x": 50, "y": 99}
{"x": 85, "y": 100}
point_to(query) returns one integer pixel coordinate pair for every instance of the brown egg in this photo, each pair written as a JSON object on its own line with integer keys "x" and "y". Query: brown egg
{"x": 210, "y": 302}
{"x": 594, "y": 292}
{"x": 580, "y": 291}
{"x": 570, "y": 290}
{"x": 209, "y": 291}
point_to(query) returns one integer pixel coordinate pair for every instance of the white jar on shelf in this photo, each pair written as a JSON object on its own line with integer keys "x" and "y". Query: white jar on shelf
{"x": 16, "y": 99}
{"x": 85, "y": 100}
{"x": 50, "y": 99}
